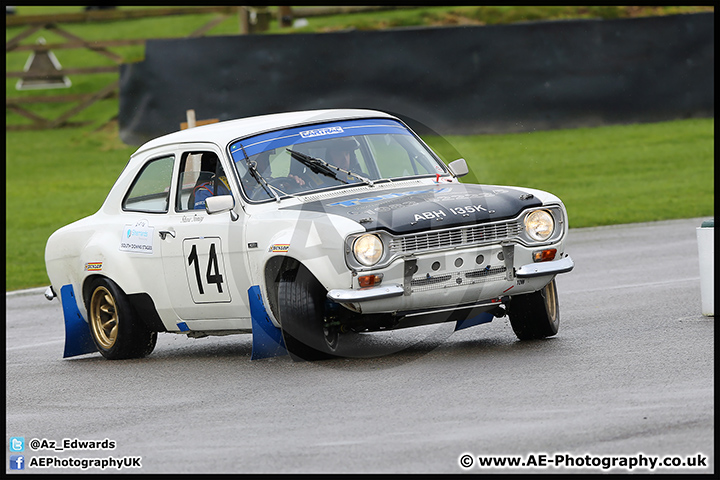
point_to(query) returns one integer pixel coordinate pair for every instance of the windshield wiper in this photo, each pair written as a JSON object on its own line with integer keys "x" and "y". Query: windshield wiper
{"x": 252, "y": 168}
{"x": 318, "y": 165}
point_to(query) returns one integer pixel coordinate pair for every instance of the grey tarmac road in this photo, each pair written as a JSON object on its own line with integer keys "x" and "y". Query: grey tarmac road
{"x": 629, "y": 377}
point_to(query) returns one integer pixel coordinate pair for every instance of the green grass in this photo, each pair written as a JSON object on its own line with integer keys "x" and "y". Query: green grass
{"x": 608, "y": 175}
{"x": 52, "y": 178}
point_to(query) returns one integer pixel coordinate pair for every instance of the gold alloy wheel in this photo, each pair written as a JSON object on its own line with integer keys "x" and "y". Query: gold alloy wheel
{"x": 103, "y": 317}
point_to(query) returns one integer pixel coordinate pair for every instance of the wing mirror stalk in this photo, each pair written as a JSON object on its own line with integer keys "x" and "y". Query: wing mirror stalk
{"x": 221, "y": 203}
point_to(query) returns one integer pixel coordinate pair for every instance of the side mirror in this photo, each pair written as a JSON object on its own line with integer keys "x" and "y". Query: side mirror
{"x": 458, "y": 167}
{"x": 219, "y": 204}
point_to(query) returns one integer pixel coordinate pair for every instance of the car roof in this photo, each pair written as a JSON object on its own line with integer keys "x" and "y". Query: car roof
{"x": 222, "y": 133}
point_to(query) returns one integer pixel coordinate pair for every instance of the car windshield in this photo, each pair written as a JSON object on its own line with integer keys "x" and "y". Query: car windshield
{"x": 307, "y": 158}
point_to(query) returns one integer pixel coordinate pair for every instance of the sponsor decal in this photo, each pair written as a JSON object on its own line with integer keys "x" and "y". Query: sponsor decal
{"x": 319, "y": 132}
{"x": 137, "y": 238}
{"x": 280, "y": 248}
{"x": 93, "y": 266}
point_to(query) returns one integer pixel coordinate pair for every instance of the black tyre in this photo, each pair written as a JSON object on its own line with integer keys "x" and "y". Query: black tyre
{"x": 115, "y": 328}
{"x": 302, "y": 301}
{"x": 535, "y": 315}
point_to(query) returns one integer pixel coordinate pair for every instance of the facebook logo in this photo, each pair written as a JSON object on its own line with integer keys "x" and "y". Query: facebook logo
{"x": 17, "y": 462}
{"x": 17, "y": 444}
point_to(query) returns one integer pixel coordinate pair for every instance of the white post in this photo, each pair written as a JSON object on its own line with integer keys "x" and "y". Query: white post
{"x": 192, "y": 168}
{"x": 706, "y": 254}
{"x": 190, "y": 118}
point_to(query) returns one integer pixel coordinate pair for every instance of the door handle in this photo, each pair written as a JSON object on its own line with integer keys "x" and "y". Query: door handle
{"x": 165, "y": 233}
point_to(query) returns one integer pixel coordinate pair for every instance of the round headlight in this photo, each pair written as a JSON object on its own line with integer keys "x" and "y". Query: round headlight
{"x": 539, "y": 225}
{"x": 368, "y": 249}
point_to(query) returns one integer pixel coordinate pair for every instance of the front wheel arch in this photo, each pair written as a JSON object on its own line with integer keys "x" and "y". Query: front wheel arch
{"x": 275, "y": 267}
{"x": 302, "y": 304}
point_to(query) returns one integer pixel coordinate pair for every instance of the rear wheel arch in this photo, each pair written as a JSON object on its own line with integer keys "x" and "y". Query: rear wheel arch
{"x": 114, "y": 323}
{"x": 143, "y": 303}
{"x": 87, "y": 287}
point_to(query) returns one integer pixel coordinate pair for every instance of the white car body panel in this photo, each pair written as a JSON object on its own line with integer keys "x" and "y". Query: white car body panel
{"x": 177, "y": 258}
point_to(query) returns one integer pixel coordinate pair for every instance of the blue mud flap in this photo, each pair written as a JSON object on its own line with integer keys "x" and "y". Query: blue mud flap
{"x": 476, "y": 320}
{"x": 78, "y": 340}
{"x": 267, "y": 338}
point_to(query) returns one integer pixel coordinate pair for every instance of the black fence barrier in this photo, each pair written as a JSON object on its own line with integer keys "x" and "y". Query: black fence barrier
{"x": 453, "y": 80}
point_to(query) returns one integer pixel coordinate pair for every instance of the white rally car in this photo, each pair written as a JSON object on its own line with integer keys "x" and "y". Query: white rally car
{"x": 300, "y": 228}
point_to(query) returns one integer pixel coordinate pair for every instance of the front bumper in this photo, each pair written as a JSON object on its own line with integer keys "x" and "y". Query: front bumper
{"x": 348, "y": 295}
{"x": 50, "y": 293}
{"x": 555, "y": 267}
{"x": 510, "y": 276}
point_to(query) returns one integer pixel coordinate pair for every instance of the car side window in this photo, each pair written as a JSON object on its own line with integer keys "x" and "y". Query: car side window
{"x": 150, "y": 190}
{"x": 201, "y": 176}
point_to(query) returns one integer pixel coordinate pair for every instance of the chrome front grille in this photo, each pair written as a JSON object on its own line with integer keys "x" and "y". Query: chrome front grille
{"x": 462, "y": 237}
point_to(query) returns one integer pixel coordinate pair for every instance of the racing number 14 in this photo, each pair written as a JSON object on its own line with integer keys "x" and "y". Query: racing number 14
{"x": 211, "y": 277}
{"x": 203, "y": 262}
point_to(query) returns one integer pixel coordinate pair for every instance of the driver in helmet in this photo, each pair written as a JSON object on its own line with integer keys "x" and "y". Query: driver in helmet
{"x": 340, "y": 152}
{"x": 262, "y": 165}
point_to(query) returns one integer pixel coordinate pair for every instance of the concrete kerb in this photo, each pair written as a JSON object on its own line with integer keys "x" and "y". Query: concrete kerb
{"x": 27, "y": 291}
